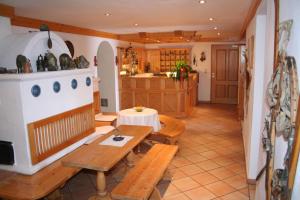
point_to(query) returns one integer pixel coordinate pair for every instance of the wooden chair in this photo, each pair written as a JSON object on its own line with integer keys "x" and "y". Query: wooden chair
{"x": 140, "y": 183}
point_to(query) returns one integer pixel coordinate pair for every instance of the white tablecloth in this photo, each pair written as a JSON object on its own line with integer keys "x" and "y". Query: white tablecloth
{"x": 148, "y": 117}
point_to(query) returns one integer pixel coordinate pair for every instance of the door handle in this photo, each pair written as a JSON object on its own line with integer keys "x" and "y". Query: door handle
{"x": 212, "y": 75}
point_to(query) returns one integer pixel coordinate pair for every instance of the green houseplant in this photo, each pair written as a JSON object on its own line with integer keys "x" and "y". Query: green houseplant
{"x": 181, "y": 71}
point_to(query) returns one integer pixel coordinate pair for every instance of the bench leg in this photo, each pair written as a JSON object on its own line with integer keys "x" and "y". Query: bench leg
{"x": 130, "y": 158}
{"x": 155, "y": 195}
{"x": 167, "y": 176}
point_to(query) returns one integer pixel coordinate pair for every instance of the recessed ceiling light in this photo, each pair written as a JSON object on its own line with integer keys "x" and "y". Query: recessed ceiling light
{"x": 219, "y": 34}
{"x": 136, "y": 24}
{"x": 107, "y": 14}
{"x": 211, "y": 19}
{"x": 202, "y": 1}
{"x": 157, "y": 41}
{"x": 215, "y": 28}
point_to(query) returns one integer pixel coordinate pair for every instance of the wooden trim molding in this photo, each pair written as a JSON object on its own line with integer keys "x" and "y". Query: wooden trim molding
{"x": 35, "y": 23}
{"x": 7, "y": 11}
{"x": 251, "y": 13}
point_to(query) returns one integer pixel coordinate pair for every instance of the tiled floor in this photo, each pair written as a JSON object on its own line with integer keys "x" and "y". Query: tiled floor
{"x": 209, "y": 165}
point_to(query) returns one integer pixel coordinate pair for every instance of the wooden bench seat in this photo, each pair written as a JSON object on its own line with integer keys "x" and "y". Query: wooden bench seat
{"x": 36, "y": 186}
{"x": 171, "y": 128}
{"x": 141, "y": 181}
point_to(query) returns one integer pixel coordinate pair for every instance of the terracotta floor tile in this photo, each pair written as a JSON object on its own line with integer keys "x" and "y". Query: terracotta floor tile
{"x": 235, "y": 196}
{"x": 180, "y": 161}
{"x": 208, "y": 165}
{"x": 177, "y": 174}
{"x": 219, "y": 188}
{"x": 167, "y": 189}
{"x": 201, "y": 149}
{"x": 185, "y": 184}
{"x": 237, "y": 182}
{"x": 204, "y": 178}
{"x": 180, "y": 196}
{"x": 195, "y": 158}
{"x": 223, "y": 161}
{"x": 200, "y": 194}
{"x": 209, "y": 154}
{"x": 245, "y": 191}
{"x": 191, "y": 169}
{"x": 221, "y": 173}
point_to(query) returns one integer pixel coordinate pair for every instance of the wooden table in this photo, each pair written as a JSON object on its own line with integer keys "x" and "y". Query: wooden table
{"x": 102, "y": 158}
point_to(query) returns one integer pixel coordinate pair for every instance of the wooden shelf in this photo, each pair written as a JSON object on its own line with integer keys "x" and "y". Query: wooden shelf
{"x": 169, "y": 57}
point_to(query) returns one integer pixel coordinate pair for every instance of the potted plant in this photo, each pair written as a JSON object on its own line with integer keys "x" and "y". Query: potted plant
{"x": 181, "y": 71}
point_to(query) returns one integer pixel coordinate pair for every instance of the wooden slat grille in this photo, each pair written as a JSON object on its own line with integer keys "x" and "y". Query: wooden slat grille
{"x": 50, "y": 135}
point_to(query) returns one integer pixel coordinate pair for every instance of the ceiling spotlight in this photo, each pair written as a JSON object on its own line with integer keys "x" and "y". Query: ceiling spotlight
{"x": 107, "y": 14}
{"x": 211, "y": 19}
{"x": 219, "y": 34}
{"x": 157, "y": 41}
{"x": 136, "y": 24}
{"x": 215, "y": 28}
{"x": 202, "y": 1}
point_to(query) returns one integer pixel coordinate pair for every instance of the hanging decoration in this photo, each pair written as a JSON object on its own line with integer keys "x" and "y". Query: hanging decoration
{"x": 282, "y": 99}
{"x": 202, "y": 56}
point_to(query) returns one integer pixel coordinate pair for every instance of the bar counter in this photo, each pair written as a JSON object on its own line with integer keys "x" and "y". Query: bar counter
{"x": 167, "y": 96}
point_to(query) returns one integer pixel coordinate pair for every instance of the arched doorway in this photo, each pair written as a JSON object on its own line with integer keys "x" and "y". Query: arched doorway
{"x": 107, "y": 73}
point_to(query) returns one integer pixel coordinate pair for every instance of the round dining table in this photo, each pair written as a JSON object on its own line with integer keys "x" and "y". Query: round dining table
{"x": 147, "y": 117}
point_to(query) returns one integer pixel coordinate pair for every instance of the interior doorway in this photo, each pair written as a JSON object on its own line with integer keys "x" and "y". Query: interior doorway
{"x": 107, "y": 73}
{"x": 224, "y": 74}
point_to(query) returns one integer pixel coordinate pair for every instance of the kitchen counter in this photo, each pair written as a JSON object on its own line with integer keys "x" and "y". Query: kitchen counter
{"x": 167, "y": 96}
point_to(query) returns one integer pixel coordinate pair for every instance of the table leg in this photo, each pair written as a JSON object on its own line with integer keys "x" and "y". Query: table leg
{"x": 130, "y": 159}
{"x": 101, "y": 188}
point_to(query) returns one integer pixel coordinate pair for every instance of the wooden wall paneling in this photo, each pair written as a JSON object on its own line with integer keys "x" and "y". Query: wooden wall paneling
{"x": 141, "y": 98}
{"x": 155, "y": 84}
{"x": 170, "y": 102}
{"x": 126, "y": 99}
{"x": 153, "y": 57}
{"x": 251, "y": 13}
{"x": 155, "y": 101}
{"x": 42, "y": 134}
{"x": 96, "y": 103}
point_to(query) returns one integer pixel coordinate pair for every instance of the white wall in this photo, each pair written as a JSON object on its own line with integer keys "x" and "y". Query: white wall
{"x": 253, "y": 124}
{"x": 203, "y": 68}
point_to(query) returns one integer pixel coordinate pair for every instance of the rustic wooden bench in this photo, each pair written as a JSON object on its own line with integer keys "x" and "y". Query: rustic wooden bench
{"x": 171, "y": 128}
{"x": 140, "y": 183}
{"x": 45, "y": 182}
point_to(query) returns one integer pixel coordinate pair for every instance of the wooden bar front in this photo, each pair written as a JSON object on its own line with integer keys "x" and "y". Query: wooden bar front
{"x": 167, "y": 96}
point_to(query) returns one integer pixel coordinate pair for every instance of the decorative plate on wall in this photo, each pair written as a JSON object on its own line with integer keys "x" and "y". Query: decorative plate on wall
{"x": 88, "y": 81}
{"x": 56, "y": 86}
{"x": 74, "y": 84}
{"x": 35, "y": 90}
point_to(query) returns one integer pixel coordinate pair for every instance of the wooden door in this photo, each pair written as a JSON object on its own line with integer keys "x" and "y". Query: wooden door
{"x": 224, "y": 75}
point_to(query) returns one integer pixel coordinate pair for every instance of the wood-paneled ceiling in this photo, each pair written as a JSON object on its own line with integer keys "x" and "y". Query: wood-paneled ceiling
{"x": 145, "y": 21}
